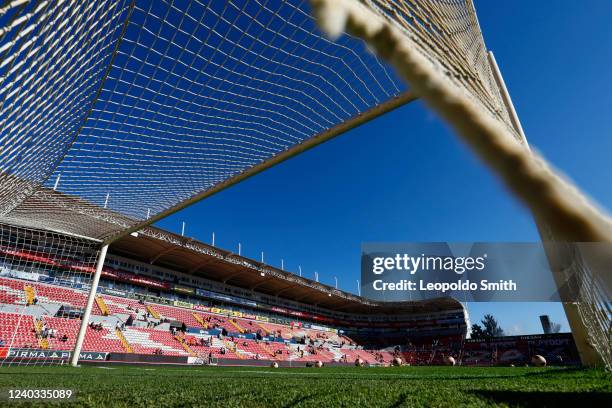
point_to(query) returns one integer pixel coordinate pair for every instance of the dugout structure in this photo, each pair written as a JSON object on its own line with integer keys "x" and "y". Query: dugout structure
{"x": 132, "y": 110}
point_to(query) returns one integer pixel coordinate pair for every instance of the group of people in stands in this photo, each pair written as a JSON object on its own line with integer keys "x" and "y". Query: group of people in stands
{"x": 120, "y": 326}
{"x": 151, "y": 324}
{"x": 96, "y": 326}
{"x": 48, "y": 333}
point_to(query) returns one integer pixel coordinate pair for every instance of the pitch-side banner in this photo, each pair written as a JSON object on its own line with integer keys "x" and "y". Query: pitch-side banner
{"x": 485, "y": 272}
{"x": 50, "y": 354}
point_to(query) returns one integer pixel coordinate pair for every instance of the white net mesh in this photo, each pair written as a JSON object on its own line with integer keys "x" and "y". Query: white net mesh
{"x": 450, "y": 30}
{"x": 197, "y": 93}
{"x": 447, "y": 33}
{"x": 44, "y": 280}
{"x": 52, "y": 56}
{"x": 115, "y": 112}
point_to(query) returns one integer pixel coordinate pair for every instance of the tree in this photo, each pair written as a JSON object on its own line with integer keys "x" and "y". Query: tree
{"x": 491, "y": 327}
{"x": 477, "y": 332}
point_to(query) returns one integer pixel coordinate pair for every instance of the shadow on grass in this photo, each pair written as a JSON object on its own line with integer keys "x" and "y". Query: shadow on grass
{"x": 400, "y": 401}
{"x": 546, "y": 399}
{"x": 295, "y": 402}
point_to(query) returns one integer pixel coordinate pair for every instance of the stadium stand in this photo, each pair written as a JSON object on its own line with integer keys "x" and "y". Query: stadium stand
{"x": 11, "y": 292}
{"x": 144, "y": 309}
{"x": 17, "y": 330}
{"x": 150, "y": 341}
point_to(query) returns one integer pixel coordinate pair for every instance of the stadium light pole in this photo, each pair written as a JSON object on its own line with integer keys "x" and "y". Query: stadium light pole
{"x": 336, "y": 279}
{"x": 300, "y": 269}
{"x": 183, "y": 229}
{"x": 316, "y": 276}
{"x": 282, "y": 264}
{"x": 87, "y": 313}
{"x": 262, "y": 257}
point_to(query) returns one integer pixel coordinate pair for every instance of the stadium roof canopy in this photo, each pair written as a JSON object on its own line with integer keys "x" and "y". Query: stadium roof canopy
{"x": 186, "y": 255}
{"x": 143, "y": 107}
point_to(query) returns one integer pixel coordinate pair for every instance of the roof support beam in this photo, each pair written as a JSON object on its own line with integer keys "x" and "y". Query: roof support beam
{"x": 163, "y": 252}
{"x": 201, "y": 265}
{"x": 285, "y": 289}
{"x": 260, "y": 283}
{"x": 233, "y": 275}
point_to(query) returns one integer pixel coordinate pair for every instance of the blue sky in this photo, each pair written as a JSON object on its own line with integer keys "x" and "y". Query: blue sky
{"x": 406, "y": 177}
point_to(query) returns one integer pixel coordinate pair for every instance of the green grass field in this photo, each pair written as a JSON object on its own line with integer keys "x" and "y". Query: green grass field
{"x": 310, "y": 387}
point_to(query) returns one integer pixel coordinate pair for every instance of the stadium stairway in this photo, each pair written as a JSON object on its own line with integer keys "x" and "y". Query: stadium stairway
{"x": 285, "y": 332}
{"x": 386, "y": 355}
{"x": 153, "y": 312}
{"x": 253, "y": 349}
{"x": 176, "y": 313}
{"x": 336, "y": 353}
{"x": 30, "y": 294}
{"x": 265, "y": 330}
{"x": 230, "y": 352}
{"x": 200, "y": 320}
{"x": 297, "y": 355}
{"x": 215, "y": 349}
{"x": 366, "y": 356}
{"x": 124, "y": 306}
{"x": 102, "y": 306}
{"x": 351, "y": 355}
{"x": 231, "y": 347}
{"x": 236, "y": 325}
{"x": 324, "y": 355}
{"x": 38, "y": 326}
{"x": 181, "y": 339}
{"x": 265, "y": 348}
{"x": 124, "y": 342}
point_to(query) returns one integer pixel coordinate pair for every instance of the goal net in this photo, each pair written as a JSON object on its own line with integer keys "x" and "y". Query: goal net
{"x": 116, "y": 113}
{"x": 183, "y": 96}
{"x": 437, "y": 48}
{"x": 44, "y": 282}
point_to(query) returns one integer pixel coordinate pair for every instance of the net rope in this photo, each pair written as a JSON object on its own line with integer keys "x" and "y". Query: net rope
{"x": 52, "y": 55}
{"x": 197, "y": 93}
{"x": 44, "y": 281}
{"x": 114, "y": 113}
{"x": 563, "y": 213}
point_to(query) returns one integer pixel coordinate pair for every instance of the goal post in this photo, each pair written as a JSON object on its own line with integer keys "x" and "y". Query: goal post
{"x": 45, "y": 280}
{"x": 116, "y": 113}
{"x": 89, "y": 306}
{"x": 120, "y": 112}
{"x": 568, "y": 216}
{"x": 563, "y": 266}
